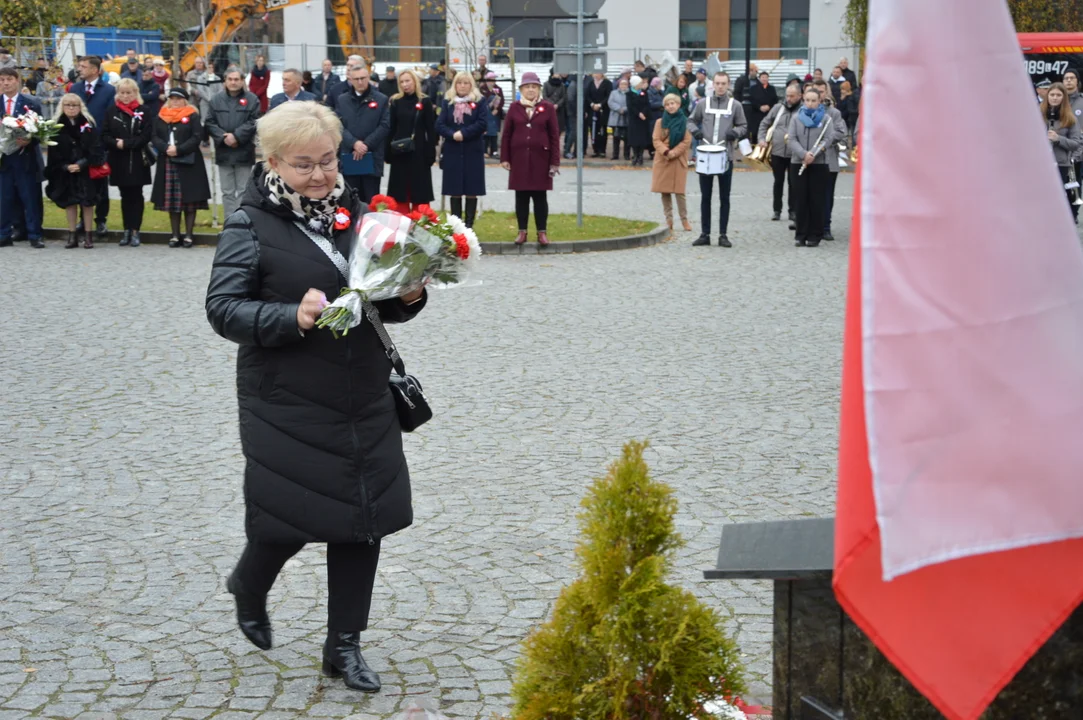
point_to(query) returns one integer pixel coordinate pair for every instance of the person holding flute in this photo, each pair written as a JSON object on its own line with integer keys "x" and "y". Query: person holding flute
{"x": 810, "y": 131}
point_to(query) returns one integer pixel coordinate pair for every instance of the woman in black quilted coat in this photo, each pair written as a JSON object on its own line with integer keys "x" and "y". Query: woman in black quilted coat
{"x": 321, "y": 439}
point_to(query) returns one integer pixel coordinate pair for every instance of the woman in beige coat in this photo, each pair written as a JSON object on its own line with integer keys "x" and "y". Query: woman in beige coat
{"x": 671, "y": 144}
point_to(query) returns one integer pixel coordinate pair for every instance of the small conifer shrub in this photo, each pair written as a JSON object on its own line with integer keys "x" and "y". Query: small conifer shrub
{"x": 623, "y": 644}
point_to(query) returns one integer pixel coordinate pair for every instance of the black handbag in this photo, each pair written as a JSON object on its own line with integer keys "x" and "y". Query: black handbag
{"x": 411, "y": 405}
{"x": 402, "y": 146}
{"x": 189, "y": 159}
{"x": 410, "y": 401}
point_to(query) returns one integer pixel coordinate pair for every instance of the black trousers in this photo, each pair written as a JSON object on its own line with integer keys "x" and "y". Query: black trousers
{"x": 366, "y": 185}
{"x": 780, "y": 167}
{"x": 541, "y": 208}
{"x": 598, "y": 121}
{"x": 706, "y": 189}
{"x": 351, "y": 574}
{"x": 101, "y": 209}
{"x": 619, "y": 134}
{"x": 131, "y": 207}
{"x": 809, "y": 192}
{"x": 829, "y": 204}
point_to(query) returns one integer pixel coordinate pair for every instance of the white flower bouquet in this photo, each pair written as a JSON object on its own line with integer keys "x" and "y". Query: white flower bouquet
{"x": 29, "y": 126}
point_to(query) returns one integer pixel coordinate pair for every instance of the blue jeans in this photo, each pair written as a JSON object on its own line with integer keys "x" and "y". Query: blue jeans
{"x": 706, "y": 189}
{"x": 23, "y": 185}
{"x": 832, "y": 177}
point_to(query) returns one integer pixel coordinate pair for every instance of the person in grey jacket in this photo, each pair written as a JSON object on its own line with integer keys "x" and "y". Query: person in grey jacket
{"x": 366, "y": 122}
{"x": 810, "y": 135}
{"x": 836, "y": 134}
{"x": 618, "y": 117}
{"x": 231, "y": 121}
{"x": 1063, "y": 131}
{"x": 779, "y": 118}
{"x": 1075, "y": 98}
{"x": 718, "y": 120}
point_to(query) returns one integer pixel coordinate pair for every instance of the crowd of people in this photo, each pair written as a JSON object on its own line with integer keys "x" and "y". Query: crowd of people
{"x": 149, "y": 130}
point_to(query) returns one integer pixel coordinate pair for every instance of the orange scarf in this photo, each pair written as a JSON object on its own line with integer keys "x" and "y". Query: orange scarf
{"x": 175, "y": 115}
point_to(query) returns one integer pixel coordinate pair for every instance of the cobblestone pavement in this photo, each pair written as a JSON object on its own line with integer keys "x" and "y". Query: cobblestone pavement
{"x": 120, "y": 465}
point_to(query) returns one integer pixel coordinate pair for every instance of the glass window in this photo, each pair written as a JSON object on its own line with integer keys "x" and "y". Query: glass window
{"x": 737, "y": 39}
{"x": 434, "y": 38}
{"x": 693, "y": 38}
{"x": 540, "y": 56}
{"x": 386, "y": 40}
{"x": 794, "y": 34}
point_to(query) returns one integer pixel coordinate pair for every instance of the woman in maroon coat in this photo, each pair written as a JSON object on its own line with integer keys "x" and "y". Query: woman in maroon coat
{"x": 530, "y": 149}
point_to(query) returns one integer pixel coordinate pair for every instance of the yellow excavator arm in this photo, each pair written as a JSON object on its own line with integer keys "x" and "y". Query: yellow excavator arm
{"x": 229, "y": 15}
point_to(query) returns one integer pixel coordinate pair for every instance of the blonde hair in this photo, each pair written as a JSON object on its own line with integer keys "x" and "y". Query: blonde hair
{"x": 295, "y": 124}
{"x": 474, "y": 95}
{"x": 72, "y": 96}
{"x": 130, "y": 84}
{"x": 417, "y": 85}
{"x": 674, "y": 96}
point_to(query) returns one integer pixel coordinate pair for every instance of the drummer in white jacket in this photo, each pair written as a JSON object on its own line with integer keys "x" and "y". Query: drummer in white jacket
{"x": 717, "y": 121}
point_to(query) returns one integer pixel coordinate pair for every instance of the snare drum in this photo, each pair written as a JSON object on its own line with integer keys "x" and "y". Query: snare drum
{"x": 712, "y": 159}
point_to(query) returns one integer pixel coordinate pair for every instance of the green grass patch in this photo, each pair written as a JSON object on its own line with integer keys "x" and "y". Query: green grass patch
{"x": 153, "y": 221}
{"x": 490, "y": 226}
{"x": 503, "y": 227}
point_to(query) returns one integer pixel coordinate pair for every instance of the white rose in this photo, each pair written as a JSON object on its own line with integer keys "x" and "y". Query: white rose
{"x": 10, "y": 122}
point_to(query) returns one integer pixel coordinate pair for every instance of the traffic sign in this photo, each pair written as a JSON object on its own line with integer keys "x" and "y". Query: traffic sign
{"x": 568, "y": 63}
{"x": 566, "y": 33}
{"x": 590, "y": 7}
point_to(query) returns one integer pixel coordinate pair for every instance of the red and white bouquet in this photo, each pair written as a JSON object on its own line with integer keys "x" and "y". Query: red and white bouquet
{"x": 29, "y": 126}
{"x": 397, "y": 251}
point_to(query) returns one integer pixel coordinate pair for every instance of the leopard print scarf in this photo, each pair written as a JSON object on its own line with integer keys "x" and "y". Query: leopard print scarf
{"x": 317, "y": 214}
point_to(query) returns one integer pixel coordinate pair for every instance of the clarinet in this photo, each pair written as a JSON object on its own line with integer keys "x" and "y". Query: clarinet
{"x": 818, "y": 147}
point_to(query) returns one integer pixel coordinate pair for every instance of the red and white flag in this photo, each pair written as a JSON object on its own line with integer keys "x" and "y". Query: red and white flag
{"x": 958, "y": 545}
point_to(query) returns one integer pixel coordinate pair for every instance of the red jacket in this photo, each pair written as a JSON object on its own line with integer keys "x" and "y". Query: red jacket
{"x": 258, "y": 87}
{"x": 531, "y": 146}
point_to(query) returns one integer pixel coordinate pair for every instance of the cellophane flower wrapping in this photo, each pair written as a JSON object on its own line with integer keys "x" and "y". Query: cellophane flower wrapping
{"x": 422, "y": 710}
{"x": 394, "y": 254}
{"x": 29, "y": 126}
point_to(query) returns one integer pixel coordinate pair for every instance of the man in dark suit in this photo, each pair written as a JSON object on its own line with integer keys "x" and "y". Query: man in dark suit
{"x": 20, "y": 172}
{"x": 322, "y": 83}
{"x": 366, "y": 121}
{"x": 390, "y": 84}
{"x": 343, "y": 85}
{"x": 291, "y": 90}
{"x": 596, "y": 98}
{"x": 99, "y": 97}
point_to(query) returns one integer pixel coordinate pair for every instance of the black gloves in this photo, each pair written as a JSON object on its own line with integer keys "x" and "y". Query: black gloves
{"x": 731, "y": 134}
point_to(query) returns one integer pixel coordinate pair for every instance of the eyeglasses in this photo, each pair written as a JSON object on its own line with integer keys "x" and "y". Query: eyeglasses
{"x": 309, "y": 168}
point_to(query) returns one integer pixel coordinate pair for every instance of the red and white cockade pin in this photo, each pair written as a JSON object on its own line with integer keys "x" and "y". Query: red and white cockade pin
{"x": 372, "y": 105}
{"x": 244, "y": 102}
{"x": 138, "y": 114}
{"x": 184, "y": 120}
{"x": 418, "y": 106}
{"x": 541, "y": 108}
{"x": 473, "y": 105}
{"x": 342, "y": 218}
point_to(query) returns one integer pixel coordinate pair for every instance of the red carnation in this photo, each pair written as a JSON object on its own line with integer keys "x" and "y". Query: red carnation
{"x": 428, "y": 212}
{"x": 388, "y": 203}
{"x": 462, "y": 246}
{"x": 415, "y": 216}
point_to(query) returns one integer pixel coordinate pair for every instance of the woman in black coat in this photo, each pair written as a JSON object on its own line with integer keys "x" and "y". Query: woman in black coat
{"x": 126, "y": 133}
{"x": 462, "y": 124}
{"x": 318, "y": 424}
{"x": 180, "y": 185}
{"x": 77, "y": 149}
{"x": 639, "y": 121}
{"x": 412, "y": 117}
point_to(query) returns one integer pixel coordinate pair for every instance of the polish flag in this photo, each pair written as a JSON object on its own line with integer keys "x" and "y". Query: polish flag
{"x": 959, "y": 531}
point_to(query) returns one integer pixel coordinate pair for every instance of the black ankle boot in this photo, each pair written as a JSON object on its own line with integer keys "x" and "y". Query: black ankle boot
{"x": 471, "y": 211}
{"x": 252, "y": 616}
{"x": 457, "y": 207}
{"x": 342, "y": 658}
